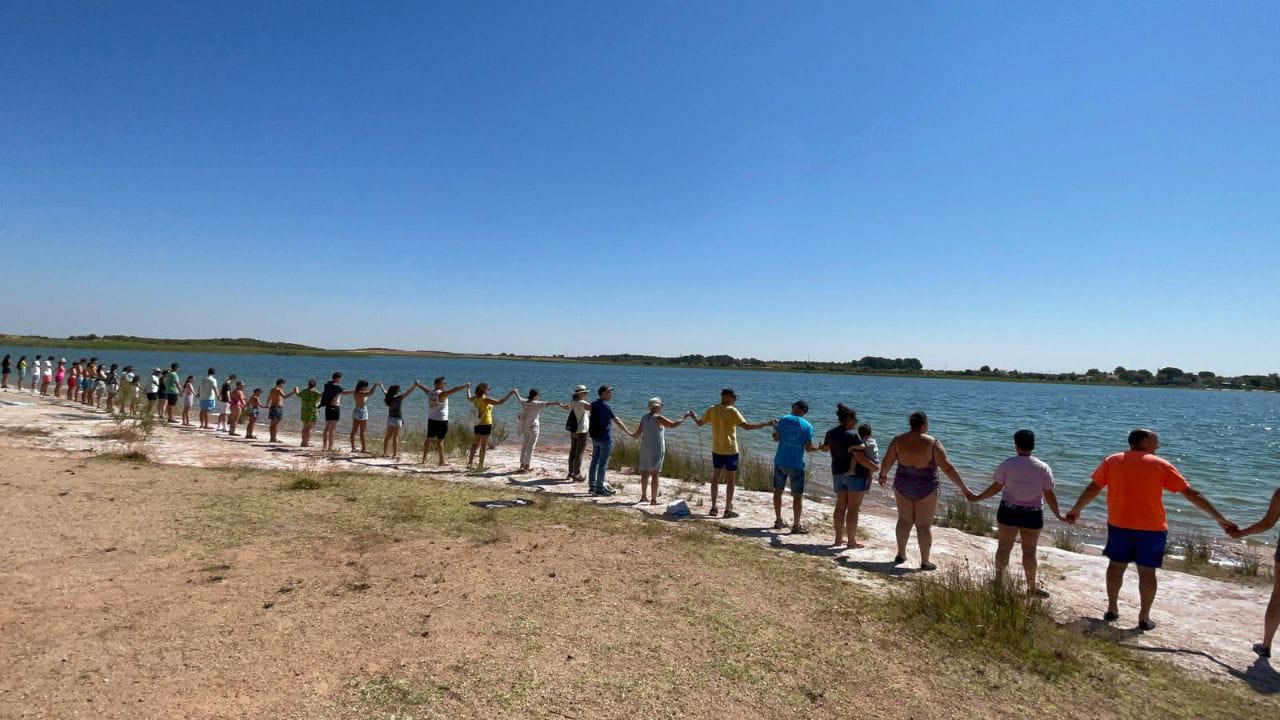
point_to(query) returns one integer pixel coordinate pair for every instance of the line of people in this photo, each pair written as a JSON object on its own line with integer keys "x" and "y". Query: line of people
{"x": 1134, "y": 480}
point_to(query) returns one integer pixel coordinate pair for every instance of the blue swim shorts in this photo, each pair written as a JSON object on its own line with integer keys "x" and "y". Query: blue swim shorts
{"x": 724, "y": 462}
{"x": 781, "y": 475}
{"x": 848, "y": 483}
{"x": 1145, "y": 547}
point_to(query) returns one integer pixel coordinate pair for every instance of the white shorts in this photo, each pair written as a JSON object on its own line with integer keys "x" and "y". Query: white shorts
{"x": 361, "y": 413}
{"x": 395, "y": 422}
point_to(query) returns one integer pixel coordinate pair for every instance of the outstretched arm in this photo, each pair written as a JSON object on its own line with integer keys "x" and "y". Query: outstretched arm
{"x": 617, "y": 421}
{"x": 1090, "y": 493}
{"x": 757, "y": 426}
{"x": 664, "y": 422}
{"x": 890, "y": 457}
{"x": 1052, "y": 500}
{"x": 696, "y": 420}
{"x": 450, "y": 391}
{"x": 1195, "y": 498}
{"x": 1267, "y": 522}
{"x": 991, "y": 490}
{"x": 950, "y": 470}
{"x": 505, "y": 398}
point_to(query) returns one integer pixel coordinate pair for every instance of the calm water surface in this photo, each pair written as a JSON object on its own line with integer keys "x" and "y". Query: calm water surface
{"x": 1224, "y": 442}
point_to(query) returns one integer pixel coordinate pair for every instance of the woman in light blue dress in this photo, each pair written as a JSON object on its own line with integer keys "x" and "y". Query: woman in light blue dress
{"x": 653, "y": 446}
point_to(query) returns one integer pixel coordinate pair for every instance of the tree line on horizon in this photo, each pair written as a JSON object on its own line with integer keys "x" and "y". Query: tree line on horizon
{"x": 868, "y": 364}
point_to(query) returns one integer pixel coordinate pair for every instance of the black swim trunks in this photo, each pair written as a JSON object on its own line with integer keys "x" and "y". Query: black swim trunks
{"x": 332, "y": 413}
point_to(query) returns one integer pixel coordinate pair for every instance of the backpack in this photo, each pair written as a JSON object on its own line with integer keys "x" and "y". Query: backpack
{"x": 571, "y": 422}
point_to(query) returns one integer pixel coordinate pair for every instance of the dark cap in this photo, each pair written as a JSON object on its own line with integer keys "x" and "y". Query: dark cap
{"x": 804, "y": 406}
{"x": 728, "y": 391}
{"x": 603, "y": 389}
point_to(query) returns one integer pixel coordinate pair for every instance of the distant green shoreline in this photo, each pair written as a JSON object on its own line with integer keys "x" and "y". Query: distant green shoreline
{"x": 261, "y": 347}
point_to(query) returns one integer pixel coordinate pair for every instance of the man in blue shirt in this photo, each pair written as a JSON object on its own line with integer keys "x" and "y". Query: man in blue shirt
{"x": 602, "y": 420}
{"x": 794, "y": 436}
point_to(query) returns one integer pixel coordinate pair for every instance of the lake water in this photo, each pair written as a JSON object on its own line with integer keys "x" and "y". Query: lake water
{"x": 1226, "y": 443}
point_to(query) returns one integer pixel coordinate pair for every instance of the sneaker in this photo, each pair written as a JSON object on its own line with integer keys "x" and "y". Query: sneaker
{"x": 1262, "y": 650}
{"x": 607, "y": 489}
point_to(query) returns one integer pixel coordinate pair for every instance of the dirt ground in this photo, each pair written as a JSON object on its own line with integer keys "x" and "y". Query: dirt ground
{"x": 131, "y": 589}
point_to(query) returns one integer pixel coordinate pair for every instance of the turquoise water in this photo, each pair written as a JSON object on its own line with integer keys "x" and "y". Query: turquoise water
{"x": 1226, "y": 443}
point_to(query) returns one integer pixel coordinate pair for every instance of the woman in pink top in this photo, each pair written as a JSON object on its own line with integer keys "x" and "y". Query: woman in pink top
{"x": 1025, "y": 481}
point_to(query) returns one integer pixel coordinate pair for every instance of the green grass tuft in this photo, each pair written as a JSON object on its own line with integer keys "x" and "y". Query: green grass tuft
{"x": 995, "y": 615}
{"x": 957, "y": 512}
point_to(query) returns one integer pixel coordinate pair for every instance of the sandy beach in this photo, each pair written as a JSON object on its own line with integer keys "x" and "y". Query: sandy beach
{"x": 1206, "y": 626}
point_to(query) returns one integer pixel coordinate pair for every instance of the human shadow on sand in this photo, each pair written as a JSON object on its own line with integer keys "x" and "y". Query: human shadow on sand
{"x": 1259, "y": 676}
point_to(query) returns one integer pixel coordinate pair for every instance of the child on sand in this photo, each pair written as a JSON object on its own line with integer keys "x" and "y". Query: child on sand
{"x": 275, "y": 407}
{"x": 310, "y": 399}
{"x": 360, "y": 416}
{"x": 395, "y": 417}
{"x": 255, "y": 410}
{"x": 188, "y": 398}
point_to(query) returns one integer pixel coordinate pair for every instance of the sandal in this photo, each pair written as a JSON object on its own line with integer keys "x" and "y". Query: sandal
{"x": 1109, "y": 616}
{"x": 928, "y": 566}
{"x": 729, "y": 514}
{"x": 778, "y": 524}
{"x": 1262, "y": 650}
{"x": 799, "y": 530}
{"x": 1146, "y": 625}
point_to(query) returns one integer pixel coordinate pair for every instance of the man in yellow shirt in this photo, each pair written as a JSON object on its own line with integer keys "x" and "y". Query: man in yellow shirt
{"x": 725, "y": 421}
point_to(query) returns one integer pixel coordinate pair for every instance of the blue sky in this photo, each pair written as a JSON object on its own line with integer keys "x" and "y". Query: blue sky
{"x": 1032, "y": 185}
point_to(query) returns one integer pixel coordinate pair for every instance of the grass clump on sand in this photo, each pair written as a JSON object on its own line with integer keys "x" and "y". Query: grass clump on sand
{"x": 972, "y": 518}
{"x": 1067, "y": 540}
{"x": 26, "y": 431}
{"x": 132, "y": 455}
{"x": 996, "y": 616}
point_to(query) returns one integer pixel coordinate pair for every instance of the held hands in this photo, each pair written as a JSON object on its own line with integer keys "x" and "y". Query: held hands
{"x": 1071, "y": 517}
{"x": 1231, "y": 528}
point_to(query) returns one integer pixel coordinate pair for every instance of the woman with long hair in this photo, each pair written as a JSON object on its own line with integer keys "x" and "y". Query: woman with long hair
{"x": 919, "y": 456}
{"x": 188, "y": 398}
{"x": 484, "y": 420}
{"x": 360, "y": 416}
{"x": 851, "y": 470}
{"x": 395, "y": 417}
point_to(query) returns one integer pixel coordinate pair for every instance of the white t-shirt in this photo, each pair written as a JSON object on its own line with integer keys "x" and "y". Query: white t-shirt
{"x": 437, "y": 407}
{"x": 529, "y": 412}
{"x": 582, "y": 410}
{"x": 209, "y": 388}
{"x": 154, "y": 385}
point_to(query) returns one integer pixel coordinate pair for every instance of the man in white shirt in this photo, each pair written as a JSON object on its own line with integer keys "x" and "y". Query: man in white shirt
{"x": 437, "y": 417}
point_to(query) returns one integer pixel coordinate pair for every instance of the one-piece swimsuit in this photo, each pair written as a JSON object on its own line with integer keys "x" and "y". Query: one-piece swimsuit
{"x": 917, "y": 483}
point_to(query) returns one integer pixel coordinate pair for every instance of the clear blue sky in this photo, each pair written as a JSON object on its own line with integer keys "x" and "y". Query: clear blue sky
{"x": 1032, "y": 185}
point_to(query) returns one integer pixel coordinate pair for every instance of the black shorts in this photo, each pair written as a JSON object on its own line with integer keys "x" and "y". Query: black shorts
{"x": 152, "y": 396}
{"x": 173, "y": 398}
{"x": 332, "y": 413}
{"x": 437, "y": 429}
{"x": 484, "y": 430}
{"x": 1020, "y": 516}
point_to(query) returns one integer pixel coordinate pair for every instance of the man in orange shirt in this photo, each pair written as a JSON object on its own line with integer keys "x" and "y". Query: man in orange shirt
{"x": 1136, "y": 524}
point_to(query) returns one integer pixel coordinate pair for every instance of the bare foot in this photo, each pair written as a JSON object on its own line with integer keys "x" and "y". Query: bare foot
{"x": 854, "y": 546}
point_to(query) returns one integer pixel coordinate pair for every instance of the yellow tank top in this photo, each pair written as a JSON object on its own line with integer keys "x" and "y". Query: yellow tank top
{"x": 484, "y": 410}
